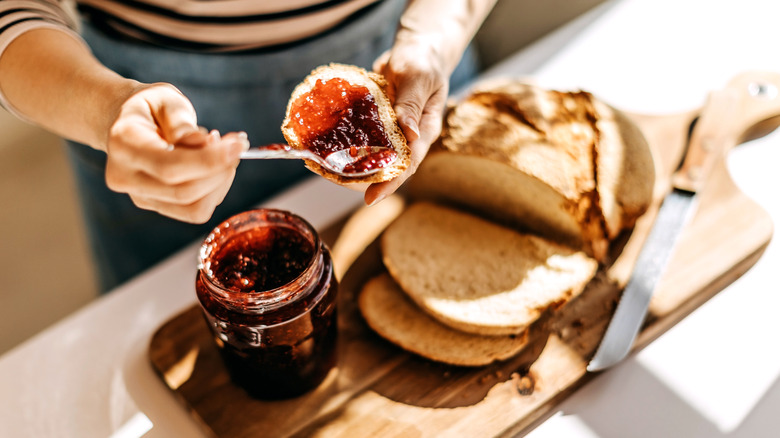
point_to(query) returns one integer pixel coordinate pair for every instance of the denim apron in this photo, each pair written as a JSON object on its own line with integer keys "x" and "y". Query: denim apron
{"x": 245, "y": 91}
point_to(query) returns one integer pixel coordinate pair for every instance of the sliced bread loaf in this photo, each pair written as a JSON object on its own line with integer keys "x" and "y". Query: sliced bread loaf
{"x": 390, "y": 313}
{"x": 476, "y": 276}
{"x": 338, "y": 105}
{"x": 561, "y": 164}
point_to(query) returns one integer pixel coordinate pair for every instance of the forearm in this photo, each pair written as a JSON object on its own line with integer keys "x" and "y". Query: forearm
{"x": 54, "y": 81}
{"x": 446, "y": 25}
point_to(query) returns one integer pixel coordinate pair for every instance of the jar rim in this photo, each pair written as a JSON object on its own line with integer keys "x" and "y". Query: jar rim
{"x": 253, "y": 219}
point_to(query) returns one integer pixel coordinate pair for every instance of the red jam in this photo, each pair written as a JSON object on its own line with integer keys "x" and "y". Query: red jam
{"x": 268, "y": 294}
{"x": 262, "y": 259}
{"x": 335, "y": 115}
{"x": 374, "y": 160}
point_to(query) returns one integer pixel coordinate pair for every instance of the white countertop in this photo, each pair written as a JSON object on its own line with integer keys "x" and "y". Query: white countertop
{"x": 89, "y": 376}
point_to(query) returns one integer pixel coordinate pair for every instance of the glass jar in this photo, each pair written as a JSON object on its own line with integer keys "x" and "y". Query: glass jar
{"x": 266, "y": 286}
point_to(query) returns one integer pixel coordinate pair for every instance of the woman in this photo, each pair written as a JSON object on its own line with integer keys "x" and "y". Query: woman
{"x": 131, "y": 86}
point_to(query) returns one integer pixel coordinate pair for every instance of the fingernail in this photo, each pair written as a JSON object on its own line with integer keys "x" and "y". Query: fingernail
{"x": 412, "y": 125}
{"x": 237, "y": 146}
{"x": 243, "y": 135}
{"x": 193, "y": 138}
{"x": 244, "y": 142}
{"x": 377, "y": 200}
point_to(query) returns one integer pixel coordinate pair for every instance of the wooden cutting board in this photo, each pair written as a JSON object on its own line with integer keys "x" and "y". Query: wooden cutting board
{"x": 380, "y": 390}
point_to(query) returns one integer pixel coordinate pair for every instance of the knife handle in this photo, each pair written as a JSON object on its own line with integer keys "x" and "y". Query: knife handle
{"x": 751, "y": 100}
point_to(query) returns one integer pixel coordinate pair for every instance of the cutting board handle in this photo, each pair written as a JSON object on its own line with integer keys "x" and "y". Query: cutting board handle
{"x": 750, "y": 102}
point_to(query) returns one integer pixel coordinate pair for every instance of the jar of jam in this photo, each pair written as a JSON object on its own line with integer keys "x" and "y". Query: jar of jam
{"x": 266, "y": 285}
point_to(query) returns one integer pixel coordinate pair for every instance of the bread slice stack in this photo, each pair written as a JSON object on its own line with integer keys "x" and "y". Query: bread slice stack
{"x": 296, "y": 124}
{"x": 463, "y": 290}
{"x": 512, "y": 215}
{"x": 390, "y": 312}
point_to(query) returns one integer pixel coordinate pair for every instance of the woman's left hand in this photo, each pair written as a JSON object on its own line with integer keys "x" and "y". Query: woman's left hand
{"x": 431, "y": 39}
{"x": 418, "y": 88}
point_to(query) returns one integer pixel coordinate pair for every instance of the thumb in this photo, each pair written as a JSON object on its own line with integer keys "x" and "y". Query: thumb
{"x": 410, "y": 100}
{"x": 381, "y": 61}
{"x": 175, "y": 116}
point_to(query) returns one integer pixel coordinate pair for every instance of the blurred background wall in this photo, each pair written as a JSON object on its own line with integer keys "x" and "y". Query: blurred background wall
{"x": 513, "y": 24}
{"x": 45, "y": 268}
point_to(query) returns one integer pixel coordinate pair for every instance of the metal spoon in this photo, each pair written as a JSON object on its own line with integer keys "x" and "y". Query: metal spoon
{"x": 353, "y": 162}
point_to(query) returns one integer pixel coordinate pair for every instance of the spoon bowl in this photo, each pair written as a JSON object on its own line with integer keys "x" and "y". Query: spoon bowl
{"x": 352, "y": 162}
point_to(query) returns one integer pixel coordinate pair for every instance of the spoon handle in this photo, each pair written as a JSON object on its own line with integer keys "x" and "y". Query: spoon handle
{"x": 335, "y": 162}
{"x": 275, "y": 152}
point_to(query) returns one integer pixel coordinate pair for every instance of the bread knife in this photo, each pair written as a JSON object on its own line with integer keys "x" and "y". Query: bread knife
{"x": 748, "y": 101}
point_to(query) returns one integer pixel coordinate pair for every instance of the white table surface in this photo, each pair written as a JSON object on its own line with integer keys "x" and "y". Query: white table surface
{"x": 715, "y": 374}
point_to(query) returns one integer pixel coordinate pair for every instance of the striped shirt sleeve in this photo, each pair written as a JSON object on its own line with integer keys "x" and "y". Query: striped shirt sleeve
{"x": 199, "y": 25}
{"x": 221, "y": 25}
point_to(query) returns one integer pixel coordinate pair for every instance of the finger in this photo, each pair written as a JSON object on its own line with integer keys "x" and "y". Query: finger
{"x": 144, "y": 186}
{"x": 137, "y": 129}
{"x": 381, "y": 62}
{"x": 431, "y": 128}
{"x": 192, "y": 139}
{"x": 173, "y": 112}
{"x": 379, "y": 191}
{"x": 410, "y": 99}
{"x": 143, "y": 151}
{"x": 197, "y": 212}
{"x": 432, "y": 119}
{"x": 220, "y": 153}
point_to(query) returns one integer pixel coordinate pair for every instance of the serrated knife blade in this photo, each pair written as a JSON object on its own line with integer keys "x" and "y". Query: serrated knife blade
{"x": 748, "y": 100}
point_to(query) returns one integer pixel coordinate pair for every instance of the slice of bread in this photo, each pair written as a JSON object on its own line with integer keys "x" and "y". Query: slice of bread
{"x": 560, "y": 164}
{"x": 390, "y": 313}
{"x": 476, "y": 276}
{"x": 356, "y": 77}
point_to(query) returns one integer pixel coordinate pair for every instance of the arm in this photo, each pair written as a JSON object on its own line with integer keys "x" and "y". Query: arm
{"x": 432, "y": 36}
{"x": 51, "y": 79}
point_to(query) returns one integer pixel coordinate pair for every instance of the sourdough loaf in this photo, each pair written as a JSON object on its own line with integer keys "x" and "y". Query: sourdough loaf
{"x": 356, "y": 77}
{"x": 477, "y": 276}
{"x": 390, "y": 313}
{"x": 561, "y": 164}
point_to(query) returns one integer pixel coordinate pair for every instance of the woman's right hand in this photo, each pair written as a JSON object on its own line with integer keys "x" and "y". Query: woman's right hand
{"x": 159, "y": 156}
{"x": 52, "y": 80}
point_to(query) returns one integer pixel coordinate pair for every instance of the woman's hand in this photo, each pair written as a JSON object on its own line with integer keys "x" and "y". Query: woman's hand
{"x": 431, "y": 39}
{"x": 418, "y": 87}
{"x": 53, "y": 80}
{"x": 159, "y": 156}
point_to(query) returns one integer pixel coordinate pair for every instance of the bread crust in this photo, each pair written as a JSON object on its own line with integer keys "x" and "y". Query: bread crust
{"x": 376, "y": 85}
{"x": 389, "y": 312}
{"x": 562, "y": 164}
{"x": 626, "y": 169}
